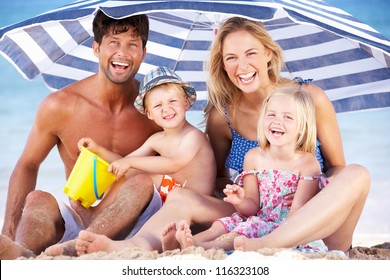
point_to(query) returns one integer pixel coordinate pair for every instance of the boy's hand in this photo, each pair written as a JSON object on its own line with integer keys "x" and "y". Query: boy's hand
{"x": 88, "y": 143}
{"x": 120, "y": 167}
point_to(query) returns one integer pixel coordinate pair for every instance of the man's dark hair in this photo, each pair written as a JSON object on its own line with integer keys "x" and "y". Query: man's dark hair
{"x": 103, "y": 25}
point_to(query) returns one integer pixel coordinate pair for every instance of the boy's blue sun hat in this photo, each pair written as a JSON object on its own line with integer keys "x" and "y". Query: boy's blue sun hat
{"x": 158, "y": 76}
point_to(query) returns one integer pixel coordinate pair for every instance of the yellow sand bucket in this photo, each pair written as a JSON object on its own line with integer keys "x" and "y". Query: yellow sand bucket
{"x": 89, "y": 178}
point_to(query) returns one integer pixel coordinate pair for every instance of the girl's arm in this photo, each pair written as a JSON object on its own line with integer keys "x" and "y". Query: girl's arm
{"x": 306, "y": 189}
{"x": 248, "y": 202}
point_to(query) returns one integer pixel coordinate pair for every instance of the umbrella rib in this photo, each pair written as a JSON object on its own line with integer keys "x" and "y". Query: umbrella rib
{"x": 185, "y": 41}
{"x": 200, "y": 24}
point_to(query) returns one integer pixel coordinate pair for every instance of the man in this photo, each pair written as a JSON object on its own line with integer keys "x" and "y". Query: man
{"x": 101, "y": 107}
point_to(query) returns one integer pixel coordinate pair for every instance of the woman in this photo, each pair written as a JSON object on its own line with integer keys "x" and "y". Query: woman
{"x": 245, "y": 65}
{"x": 283, "y": 163}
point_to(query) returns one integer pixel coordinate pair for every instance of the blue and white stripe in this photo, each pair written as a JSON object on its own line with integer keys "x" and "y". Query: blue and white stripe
{"x": 345, "y": 57}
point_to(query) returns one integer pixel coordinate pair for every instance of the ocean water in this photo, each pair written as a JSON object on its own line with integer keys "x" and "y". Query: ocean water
{"x": 365, "y": 134}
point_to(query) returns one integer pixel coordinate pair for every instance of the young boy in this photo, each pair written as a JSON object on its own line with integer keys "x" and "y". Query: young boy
{"x": 178, "y": 156}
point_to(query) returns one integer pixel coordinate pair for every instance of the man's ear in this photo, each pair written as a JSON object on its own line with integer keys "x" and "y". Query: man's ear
{"x": 95, "y": 48}
{"x": 144, "y": 55}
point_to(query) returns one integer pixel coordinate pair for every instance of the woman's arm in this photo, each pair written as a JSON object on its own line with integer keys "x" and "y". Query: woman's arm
{"x": 328, "y": 132}
{"x": 219, "y": 136}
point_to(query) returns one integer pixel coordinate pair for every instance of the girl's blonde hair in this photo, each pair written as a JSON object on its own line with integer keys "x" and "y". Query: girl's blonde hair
{"x": 305, "y": 112}
{"x": 220, "y": 88}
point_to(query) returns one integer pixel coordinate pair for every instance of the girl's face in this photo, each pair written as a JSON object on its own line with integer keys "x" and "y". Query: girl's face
{"x": 245, "y": 61}
{"x": 280, "y": 121}
{"x": 167, "y": 106}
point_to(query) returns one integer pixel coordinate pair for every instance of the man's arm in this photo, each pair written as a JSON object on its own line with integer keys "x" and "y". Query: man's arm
{"x": 24, "y": 177}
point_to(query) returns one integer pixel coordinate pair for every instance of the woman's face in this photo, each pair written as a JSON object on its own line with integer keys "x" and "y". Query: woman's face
{"x": 246, "y": 61}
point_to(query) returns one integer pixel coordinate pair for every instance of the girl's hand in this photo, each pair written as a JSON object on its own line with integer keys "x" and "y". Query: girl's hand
{"x": 287, "y": 199}
{"x": 120, "y": 167}
{"x": 234, "y": 194}
{"x": 89, "y": 144}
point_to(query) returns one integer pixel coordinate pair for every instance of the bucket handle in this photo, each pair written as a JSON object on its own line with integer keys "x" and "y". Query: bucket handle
{"x": 95, "y": 179}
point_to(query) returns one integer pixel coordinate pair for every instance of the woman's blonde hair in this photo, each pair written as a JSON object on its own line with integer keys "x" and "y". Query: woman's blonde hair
{"x": 221, "y": 91}
{"x": 305, "y": 112}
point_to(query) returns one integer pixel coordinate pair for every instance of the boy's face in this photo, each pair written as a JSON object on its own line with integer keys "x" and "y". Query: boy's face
{"x": 167, "y": 106}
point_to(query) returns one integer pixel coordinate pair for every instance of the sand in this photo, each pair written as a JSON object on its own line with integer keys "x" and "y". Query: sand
{"x": 376, "y": 252}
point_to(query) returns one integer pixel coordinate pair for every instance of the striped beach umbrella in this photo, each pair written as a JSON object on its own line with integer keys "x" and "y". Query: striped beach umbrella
{"x": 347, "y": 58}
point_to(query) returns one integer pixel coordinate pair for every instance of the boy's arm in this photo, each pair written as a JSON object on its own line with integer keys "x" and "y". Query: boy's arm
{"x": 146, "y": 149}
{"x": 147, "y": 159}
{"x": 184, "y": 153}
{"x": 101, "y": 151}
{"x": 110, "y": 156}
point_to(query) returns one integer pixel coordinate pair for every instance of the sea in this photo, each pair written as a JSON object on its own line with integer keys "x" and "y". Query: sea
{"x": 365, "y": 134}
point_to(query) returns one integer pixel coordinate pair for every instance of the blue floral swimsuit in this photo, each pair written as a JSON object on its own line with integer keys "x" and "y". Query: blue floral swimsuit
{"x": 240, "y": 145}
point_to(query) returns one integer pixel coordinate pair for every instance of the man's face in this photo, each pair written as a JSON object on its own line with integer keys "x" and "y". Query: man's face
{"x": 120, "y": 55}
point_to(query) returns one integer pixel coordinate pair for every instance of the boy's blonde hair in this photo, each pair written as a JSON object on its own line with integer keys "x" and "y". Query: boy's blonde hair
{"x": 166, "y": 86}
{"x": 220, "y": 88}
{"x": 305, "y": 112}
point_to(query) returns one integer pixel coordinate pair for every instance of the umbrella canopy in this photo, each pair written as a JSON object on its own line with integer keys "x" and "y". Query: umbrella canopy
{"x": 345, "y": 57}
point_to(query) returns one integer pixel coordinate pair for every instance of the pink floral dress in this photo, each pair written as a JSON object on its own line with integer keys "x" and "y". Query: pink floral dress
{"x": 273, "y": 186}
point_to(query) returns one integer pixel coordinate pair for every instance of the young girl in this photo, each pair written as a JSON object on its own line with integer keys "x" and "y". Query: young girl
{"x": 284, "y": 163}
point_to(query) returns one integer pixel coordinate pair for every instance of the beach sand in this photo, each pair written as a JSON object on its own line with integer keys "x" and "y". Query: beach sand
{"x": 376, "y": 252}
